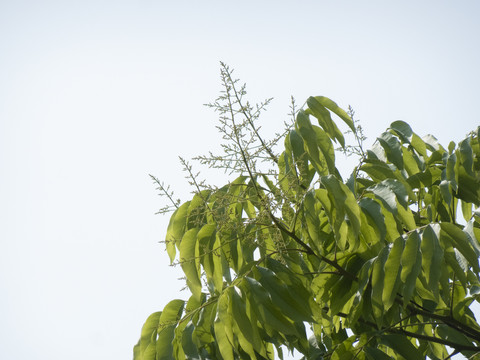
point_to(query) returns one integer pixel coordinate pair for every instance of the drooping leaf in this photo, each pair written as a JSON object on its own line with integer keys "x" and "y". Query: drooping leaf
{"x": 176, "y": 229}
{"x": 373, "y": 210}
{"x": 145, "y": 349}
{"x": 189, "y": 261}
{"x": 378, "y": 170}
{"x": 411, "y": 262}
{"x": 392, "y": 148}
{"x": 378, "y": 283}
{"x": 453, "y": 335}
{"x": 325, "y": 120}
{"x": 248, "y": 336}
{"x": 460, "y": 240}
{"x": 392, "y": 273}
{"x": 403, "y": 130}
{"x": 309, "y": 136}
{"x": 432, "y": 257}
{"x": 344, "y": 200}
{"x": 327, "y": 150}
{"x": 284, "y": 300}
{"x": 167, "y": 322}
{"x": 223, "y": 328}
{"x": 333, "y": 107}
{"x": 271, "y": 316}
{"x": 402, "y": 346}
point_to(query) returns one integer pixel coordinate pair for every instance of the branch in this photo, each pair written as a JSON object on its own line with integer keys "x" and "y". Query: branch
{"x": 447, "y": 320}
{"x": 456, "y": 346}
{"x": 435, "y": 340}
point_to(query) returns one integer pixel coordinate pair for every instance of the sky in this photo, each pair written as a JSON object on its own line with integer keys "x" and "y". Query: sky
{"x": 97, "y": 95}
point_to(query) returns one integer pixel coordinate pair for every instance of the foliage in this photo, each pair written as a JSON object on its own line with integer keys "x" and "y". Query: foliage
{"x": 375, "y": 267}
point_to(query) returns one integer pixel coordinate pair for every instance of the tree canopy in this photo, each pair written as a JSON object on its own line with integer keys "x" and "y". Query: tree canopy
{"x": 290, "y": 256}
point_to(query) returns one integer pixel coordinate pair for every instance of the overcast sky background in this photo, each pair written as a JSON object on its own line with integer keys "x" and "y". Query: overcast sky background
{"x": 96, "y": 95}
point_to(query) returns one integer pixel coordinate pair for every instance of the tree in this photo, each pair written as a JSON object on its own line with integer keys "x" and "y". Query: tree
{"x": 380, "y": 266}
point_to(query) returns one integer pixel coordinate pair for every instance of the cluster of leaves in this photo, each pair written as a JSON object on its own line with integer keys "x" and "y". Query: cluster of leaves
{"x": 375, "y": 267}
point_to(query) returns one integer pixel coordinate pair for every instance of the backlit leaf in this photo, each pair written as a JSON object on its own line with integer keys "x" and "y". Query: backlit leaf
{"x": 176, "y": 229}
{"x": 432, "y": 257}
{"x": 188, "y": 261}
{"x": 392, "y": 273}
{"x": 333, "y": 107}
{"x": 168, "y": 320}
{"x": 411, "y": 262}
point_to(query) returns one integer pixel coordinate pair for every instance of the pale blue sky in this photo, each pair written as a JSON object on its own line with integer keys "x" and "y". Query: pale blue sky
{"x": 95, "y": 95}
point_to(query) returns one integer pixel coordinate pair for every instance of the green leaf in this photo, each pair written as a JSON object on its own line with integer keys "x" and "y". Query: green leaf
{"x": 387, "y": 196}
{"x": 466, "y": 210}
{"x": 432, "y": 143}
{"x": 297, "y": 145}
{"x": 392, "y": 273}
{"x": 446, "y": 192}
{"x": 375, "y": 354}
{"x": 449, "y": 173}
{"x": 217, "y": 264}
{"x": 188, "y": 348}
{"x": 202, "y": 334}
{"x": 297, "y": 287}
{"x": 419, "y": 145}
{"x": 384, "y": 191}
{"x": 206, "y": 239}
{"x": 378, "y": 170}
{"x": 373, "y": 210}
{"x": 344, "y": 200}
{"x": 411, "y": 262}
{"x": 325, "y": 120}
{"x": 283, "y": 299}
{"x": 148, "y": 337}
{"x": 167, "y": 322}
{"x": 432, "y": 258}
{"x": 471, "y": 231}
{"x": 248, "y": 330}
{"x": 403, "y": 130}
{"x": 345, "y": 350}
{"x": 449, "y": 334}
{"x": 270, "y": 315}
{"x": 465, "y": 155}
{"x": 405, "y": 215}
{"x": 406, "y": 134}
{"x": 402, "y": 346}
{"x": 363, "y": 280}
{"x": 326, "y": 147}
{"x": 311, "y": 216}
{"x": 189, "y": 260}
{"x": 239, "y": 319}
{"x": 410, "y": 161}
{"x": 378, "y": 282}
{"x": 460, "y": 240}
{"x": 176, "y": 229}
{"x": 306, "y": 131}
{"x": 468, "y": 187}
{"x": 458, "y": 263}
{"x": 183, "y": 344}
{"x": 333, "y": 107}
{"x": 223, "y": 328}
{"x": 392, "y": 148}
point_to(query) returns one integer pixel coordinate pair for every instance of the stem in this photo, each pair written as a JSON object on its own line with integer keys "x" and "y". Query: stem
{"x": 248, "y": 117}
{"x": 162, "y": 188}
